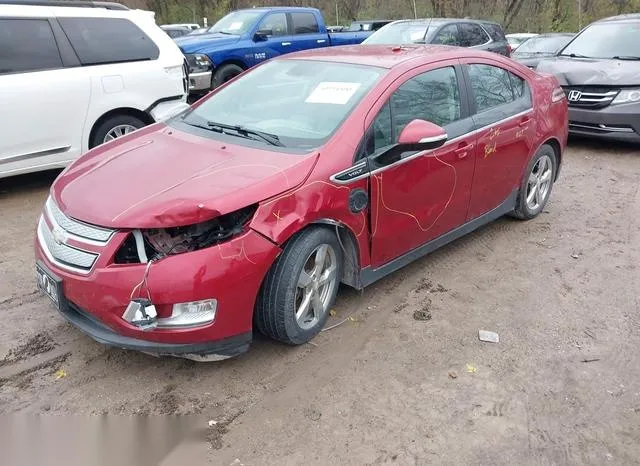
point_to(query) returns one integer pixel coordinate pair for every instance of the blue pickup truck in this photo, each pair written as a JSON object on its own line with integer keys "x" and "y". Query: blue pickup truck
{"x": 244, "y": 38}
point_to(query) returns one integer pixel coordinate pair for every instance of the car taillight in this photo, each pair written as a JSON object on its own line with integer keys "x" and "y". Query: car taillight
{"x": 558, "y": 94}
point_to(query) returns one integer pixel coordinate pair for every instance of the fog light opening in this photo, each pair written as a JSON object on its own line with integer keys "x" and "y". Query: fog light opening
{"x": 192, "y": 314}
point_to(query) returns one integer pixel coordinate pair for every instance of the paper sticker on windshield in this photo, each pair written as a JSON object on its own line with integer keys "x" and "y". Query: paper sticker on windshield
{"x": 332, "y": 93}
{"x": 235, "y": 26}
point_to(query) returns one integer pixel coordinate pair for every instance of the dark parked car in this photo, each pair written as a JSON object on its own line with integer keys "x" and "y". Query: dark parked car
{"x": 368, "y": 25}
{"x": 531, "y": 51}
{"x": 176, "y": 31}
{"x": 483, "y": 35}
{"x": 600, "y": 73}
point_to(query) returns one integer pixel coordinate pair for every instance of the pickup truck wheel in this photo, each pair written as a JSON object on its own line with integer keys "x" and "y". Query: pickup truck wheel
{"x": 300, "y": 288}
{"x": 537, "y": 183}
{"x": 225, "y": 73}
{"x": 114, "y": 127}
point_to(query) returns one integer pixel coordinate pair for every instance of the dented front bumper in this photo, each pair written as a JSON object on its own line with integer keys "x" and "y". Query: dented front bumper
{"x": 231, "y": 273}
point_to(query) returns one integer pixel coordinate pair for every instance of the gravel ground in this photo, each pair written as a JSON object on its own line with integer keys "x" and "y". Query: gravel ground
{"x": 405, "y": 380}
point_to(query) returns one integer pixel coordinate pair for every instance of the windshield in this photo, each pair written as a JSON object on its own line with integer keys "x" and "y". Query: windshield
{"x": 550, "y": 44}
{"x": 299, "y": 102}
{"x": 607, "y": 40}
{"x": 238, "y": 22}
{"x": 406, "y": 32}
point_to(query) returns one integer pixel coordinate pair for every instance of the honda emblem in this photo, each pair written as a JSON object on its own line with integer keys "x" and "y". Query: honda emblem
{"x": 574, "y": 96}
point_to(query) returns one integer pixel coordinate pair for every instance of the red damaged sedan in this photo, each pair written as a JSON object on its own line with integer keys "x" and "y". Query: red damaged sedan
{"x": 331, "y": 166}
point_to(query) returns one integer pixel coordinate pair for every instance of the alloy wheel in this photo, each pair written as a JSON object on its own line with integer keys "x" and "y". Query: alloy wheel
{"x": 539, "y": 183}
{"x": 119, "y": 131}
{"x": 316, "y": 283}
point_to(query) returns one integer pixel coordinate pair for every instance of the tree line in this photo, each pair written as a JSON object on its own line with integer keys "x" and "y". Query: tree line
{"x": 514, "y": 15}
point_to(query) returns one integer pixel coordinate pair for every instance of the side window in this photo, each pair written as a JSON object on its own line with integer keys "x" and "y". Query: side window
{"x": 276, "y": 23}
{"x": 472, "y": 34}
{"x": 432, "y": 96}
{"x": 108, "y": 40}
{"x": 493, "y": 86}
{"x": 304, "y": 23}
{"x": 27, "y": 45}
{"x": 495, "y": 31}
{"x": 519, "y": 85}
{"x": 448, "y": 35}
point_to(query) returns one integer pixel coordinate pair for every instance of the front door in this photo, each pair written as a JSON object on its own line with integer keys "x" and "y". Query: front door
{"x": 504, "y": 116}
{"x": 277, "y": 42}
{"x": 421, "y": 195}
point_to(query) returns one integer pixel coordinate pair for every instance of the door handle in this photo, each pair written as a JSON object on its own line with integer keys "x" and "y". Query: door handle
{"x": 286, "y": 43}
{"x": 525, "y": 121}
{"x": 463, "y": 150}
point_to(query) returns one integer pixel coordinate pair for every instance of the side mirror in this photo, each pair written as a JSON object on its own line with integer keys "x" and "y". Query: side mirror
{"x": 262, "y": 34}
{"x": 422, "y": 135}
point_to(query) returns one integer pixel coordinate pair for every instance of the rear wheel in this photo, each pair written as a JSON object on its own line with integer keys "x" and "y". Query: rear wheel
{"x": 537, "y": 184}
{"x": 225, "y": 73}
{"x": 114, "y": 127}
{"x": 300, "y": 288}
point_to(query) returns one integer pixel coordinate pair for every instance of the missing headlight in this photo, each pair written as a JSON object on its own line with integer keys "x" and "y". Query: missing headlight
{"x": 162, "y": 242}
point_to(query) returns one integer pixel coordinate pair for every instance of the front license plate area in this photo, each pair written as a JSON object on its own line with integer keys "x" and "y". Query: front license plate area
{"x": 49, "y": 285}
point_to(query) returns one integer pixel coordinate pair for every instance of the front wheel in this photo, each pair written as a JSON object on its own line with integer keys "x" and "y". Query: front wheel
{"x": 300, "y": 288}
{"x": 537, "y": 184}
{"x": 225, "y": 73}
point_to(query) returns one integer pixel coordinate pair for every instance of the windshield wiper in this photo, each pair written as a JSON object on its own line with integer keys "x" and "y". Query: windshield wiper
{"x": 269, "y": 138}
{"x": 573, "y": 55}
{"x": 625, "y": 57}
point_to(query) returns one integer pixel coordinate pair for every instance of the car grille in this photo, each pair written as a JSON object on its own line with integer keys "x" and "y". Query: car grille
{"x": 590, "y": 97}
{"x": 54, "y": 239}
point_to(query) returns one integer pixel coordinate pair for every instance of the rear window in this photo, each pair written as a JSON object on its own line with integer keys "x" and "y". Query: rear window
{"x": 27, "y": 45}
{"x": 108, "y": 40}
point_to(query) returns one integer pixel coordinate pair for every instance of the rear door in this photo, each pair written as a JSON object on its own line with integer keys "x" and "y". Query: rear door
{"x": 306, "y": 32}
{"x": 503, "y": 114}
{"x": 44, "y": 102}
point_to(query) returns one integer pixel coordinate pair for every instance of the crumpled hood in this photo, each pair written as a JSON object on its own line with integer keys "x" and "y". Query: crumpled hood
{"x": 592, "y": 72}
{"x": 162, "y": 177}
{"x": 204, "y": 42}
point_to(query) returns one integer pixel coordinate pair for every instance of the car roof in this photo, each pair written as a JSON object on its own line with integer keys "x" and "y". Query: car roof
{"x": 627, "y": 17}
{"x": 436, "y": 21}
{"x": 384, "y": 56}
{"x": 555, "y": 34}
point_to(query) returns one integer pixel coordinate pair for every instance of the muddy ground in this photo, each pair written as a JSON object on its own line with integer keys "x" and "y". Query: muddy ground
{"x": 405, "y": 380}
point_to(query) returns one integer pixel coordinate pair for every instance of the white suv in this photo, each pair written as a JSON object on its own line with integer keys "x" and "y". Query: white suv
{"x": 72, "y": 78}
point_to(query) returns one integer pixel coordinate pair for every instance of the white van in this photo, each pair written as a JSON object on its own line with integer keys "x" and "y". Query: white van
{"x": 74, "y": 77}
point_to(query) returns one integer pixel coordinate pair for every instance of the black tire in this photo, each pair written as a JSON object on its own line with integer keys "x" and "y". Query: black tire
{"x": 277, "y": 301}
{"x": 110, "y": 123}
{"x": 225, "y": 73}
{"x": 523, "y": 210}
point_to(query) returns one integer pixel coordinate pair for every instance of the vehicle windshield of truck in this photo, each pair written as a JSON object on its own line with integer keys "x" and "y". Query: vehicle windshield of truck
{"x": 406, "y": 32}
{"x": 613, "y": 40}
{"x": 238, "y": 22}
{"x": 294, "y": 104}
{"x": 542, "y": 45}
